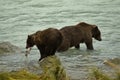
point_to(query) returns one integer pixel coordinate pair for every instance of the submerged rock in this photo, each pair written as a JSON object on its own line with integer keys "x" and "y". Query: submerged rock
{"x": 7, "y": 47}
{"x": 114, "y": 63}
{"x": 52, "y": 70}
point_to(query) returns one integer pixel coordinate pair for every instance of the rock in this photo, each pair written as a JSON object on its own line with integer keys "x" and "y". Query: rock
{"x": 7, "y": 47}
{"x": 114, "y": 63}
{"x": 53, "y": 69}
{"x": 18, "y": 75}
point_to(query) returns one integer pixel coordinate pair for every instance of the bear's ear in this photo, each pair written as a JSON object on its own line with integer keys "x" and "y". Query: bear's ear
{"x": 96, "y": 27}
{"x": 29, "y": 36}
{"x": 94, "y": 30}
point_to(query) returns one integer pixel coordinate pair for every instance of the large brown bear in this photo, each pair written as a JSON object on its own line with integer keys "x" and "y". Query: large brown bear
{"x": 80, "y": 33}
{"x": 47, "y": 41}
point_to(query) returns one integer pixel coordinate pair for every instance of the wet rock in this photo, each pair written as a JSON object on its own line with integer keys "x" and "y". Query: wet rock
{"x": 98, "y": 74}
{"x": 7, "y": 47}
{"x": 114, "y": 63}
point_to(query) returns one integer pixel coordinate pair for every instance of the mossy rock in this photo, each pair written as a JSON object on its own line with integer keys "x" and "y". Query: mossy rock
{"x": 19, "y": 75}
{"x": 52, "y": 70}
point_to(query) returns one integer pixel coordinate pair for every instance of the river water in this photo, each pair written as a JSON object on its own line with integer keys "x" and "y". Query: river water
{"x": 18, "y": 18}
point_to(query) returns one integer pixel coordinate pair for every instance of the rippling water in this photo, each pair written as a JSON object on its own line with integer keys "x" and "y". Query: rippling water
{"x": 18, "y": 18}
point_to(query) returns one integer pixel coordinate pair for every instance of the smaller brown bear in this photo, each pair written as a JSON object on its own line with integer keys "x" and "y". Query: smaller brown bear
{"x": 47, "y": 41}
{"x": 80, "y": 33}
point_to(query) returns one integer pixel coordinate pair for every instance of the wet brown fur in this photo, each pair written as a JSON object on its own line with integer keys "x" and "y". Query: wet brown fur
{"x": 47, "y": 41}
{"x": 80, "y": 33}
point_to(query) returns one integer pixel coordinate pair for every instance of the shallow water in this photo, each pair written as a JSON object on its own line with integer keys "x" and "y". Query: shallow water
{"x": 18, "y": 18}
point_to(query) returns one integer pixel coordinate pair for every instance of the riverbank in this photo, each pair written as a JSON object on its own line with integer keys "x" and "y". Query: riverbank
{"x": 51, "y": 66}
{"x": 53, "y": 70}
{"x": 77, "y": 63}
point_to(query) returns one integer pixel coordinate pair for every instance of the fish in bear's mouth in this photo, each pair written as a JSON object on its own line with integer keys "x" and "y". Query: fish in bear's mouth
{"x": 27, "y": 51}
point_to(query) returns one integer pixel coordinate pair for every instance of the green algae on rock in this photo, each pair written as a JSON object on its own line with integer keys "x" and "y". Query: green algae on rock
{"x": 19, "y": 75}
{"x": 51, "y": 67}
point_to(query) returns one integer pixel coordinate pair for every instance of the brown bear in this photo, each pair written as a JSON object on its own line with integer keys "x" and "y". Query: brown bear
{"x": 80, "y": 33}
{"x": 47, "y": 41}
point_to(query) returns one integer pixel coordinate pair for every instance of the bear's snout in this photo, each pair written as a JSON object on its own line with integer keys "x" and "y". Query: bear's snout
{"x": 26, "y": 47}
{"x": 99, "y": 39}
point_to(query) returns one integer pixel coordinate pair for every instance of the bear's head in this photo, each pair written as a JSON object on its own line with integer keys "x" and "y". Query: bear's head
{"x": 30, "y": 41}
{"x": 96, "y": 33}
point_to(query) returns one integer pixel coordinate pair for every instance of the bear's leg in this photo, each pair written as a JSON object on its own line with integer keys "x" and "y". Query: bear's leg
{"x": 42, "y": 56}
{"x": 77, "y": 46}
{"x": 48, "y": 51}
{"x": 42, "y": 51}
{"x": 53, "y": 50}
{"x": 89, "y": 45}
{"x": 64, "y": 47}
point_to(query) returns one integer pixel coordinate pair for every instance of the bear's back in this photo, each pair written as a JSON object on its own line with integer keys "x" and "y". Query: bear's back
{"x": 49, "y": 36}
